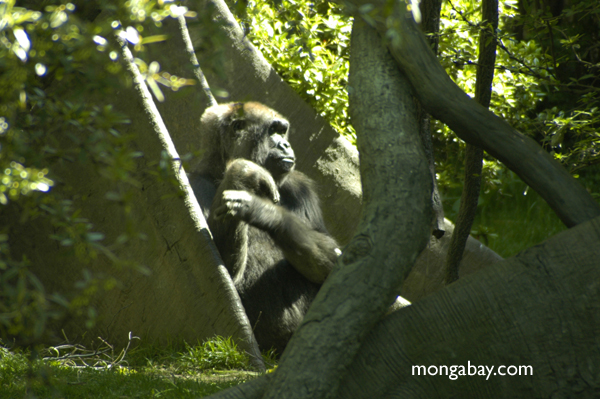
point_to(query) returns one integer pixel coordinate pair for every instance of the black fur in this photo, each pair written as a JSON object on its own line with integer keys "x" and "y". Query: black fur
{"x": 265, "y": 217}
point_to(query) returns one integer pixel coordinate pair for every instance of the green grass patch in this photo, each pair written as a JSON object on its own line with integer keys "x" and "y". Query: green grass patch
{"x": 510, "y": 218}
{"x": 146, "y": 372}
{"x": 220, "y": 354}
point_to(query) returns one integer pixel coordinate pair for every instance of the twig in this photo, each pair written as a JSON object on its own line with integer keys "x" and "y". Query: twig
{"x": 79, "y": 356}
{"x": 194, "y": 60}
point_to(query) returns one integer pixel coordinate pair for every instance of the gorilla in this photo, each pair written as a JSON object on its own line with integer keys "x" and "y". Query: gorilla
{"x": 264, "y": 215}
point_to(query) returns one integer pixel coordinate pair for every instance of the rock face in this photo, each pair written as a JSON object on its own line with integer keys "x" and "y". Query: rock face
{"x": 427, "y": 275}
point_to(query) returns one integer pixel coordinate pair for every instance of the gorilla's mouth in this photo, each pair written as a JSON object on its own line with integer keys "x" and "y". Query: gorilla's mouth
{"x": 280, "y": 165}
{"x": 286, "y": 164}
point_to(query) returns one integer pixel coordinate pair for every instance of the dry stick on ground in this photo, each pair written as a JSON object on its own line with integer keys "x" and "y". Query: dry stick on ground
{"x": 445, "y": 101}
{"x": 474, "y": 154}
{"x": 190, "y": 200}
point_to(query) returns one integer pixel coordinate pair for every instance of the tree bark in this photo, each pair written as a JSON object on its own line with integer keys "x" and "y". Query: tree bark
{"x": 538, "y": 308}
{"x": 445, "y": 101}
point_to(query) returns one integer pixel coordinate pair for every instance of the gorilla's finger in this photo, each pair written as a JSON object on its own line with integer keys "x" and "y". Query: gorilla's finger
{"x": 237, "y": 196}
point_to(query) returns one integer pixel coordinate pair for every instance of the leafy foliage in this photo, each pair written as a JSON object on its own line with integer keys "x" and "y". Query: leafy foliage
{"x": 55, "y": 65}
{"x": 307, "y": 43}
{"x": 535, "y": 86}
{"x": 537, "y": 80}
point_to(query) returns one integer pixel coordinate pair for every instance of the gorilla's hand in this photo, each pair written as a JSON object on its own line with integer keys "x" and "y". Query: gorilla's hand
{"x": 235, "y": 204}
{"x": 242, "y": 174}
{"x": 254, "y": 210}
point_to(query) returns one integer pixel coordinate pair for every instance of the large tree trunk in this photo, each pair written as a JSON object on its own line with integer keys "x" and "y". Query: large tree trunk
{"x": 396, "y": 209}
{"x": 538, "y": 308}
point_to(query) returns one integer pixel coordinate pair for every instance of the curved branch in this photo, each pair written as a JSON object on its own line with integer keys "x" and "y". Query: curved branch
{"x": 476, "y": 125}
{"x": 396, "y": 209}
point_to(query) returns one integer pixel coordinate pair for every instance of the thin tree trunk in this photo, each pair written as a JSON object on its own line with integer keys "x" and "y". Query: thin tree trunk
{"x": 431, "y": 24}
{"x": 245, "y": 336}
{"x": 474, "y": 154}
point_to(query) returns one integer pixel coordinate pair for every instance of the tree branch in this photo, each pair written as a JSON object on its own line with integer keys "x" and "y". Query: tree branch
{"x": 476, "y": 125}
{"x": 474, "y": 155}
{"x": 396, "y": 209}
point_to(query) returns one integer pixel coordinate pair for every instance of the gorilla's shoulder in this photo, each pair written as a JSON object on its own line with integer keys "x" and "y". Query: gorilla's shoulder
{"x": 298, "y": 194}
{"x": 296, "y": 184}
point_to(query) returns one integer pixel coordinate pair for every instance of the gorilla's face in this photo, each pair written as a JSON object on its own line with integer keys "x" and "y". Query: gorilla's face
{"x": 281, "y": 158}
{"x": 260, "y": 134}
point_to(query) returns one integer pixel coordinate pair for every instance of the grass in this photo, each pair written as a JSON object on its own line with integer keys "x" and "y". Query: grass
{"x": 516, "y": 223}
{"x": 146, "y": 372}
{"x": 510, "y": 218}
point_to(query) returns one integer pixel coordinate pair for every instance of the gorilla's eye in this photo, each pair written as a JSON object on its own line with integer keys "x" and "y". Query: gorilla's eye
{"x": 278, "y": 127}
{"x": 238, "y": 124}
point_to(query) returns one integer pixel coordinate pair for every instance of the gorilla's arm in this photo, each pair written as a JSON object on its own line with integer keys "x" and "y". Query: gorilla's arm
{"x": 298, "y": 231}
{"x": 204, "y": 190}
{"x": 231, "y": 238}
{"x": 231, "y": 233}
